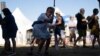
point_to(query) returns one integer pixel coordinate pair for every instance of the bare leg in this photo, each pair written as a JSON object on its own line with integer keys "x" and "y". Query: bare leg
{"x": 98, "y": 40}
{"x": 77, "y": 40}
{"x": 32, "y": 44}
{"x": 93, "y": 42}
{"x": 84, "y": 41}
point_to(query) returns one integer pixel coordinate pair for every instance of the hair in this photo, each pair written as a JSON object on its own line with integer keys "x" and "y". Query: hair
{"x": 58, "y": 13}
{"x": 6, "y": 11}
{"x": 95, "y": 11}
{"x": 82, "y": 9}
{"x": 51, "y": 8}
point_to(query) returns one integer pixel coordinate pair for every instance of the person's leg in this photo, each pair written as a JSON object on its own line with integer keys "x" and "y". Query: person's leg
{"x": 77, "y": 40}
{"x": 84, "y": 38}
{"x": 60, "y": 40}
{"x": 14, "y": 44}
{"x": 74, "y": 37}
{"x": 63, "y": 42}
{"x": 31, "y": 45}
{"x": 80, "y": 36}
{"x": 63, "y": 38}
{"x": 93, "y": 42}
{"x": 98, "y": 40}
{"x": 47, "y": 45}
{"x": 71, "y": 35}
{"x": 7, "y": 46}
{"x": 40, "y": 45}
{"x": 56, "y": 42}
{"x": 56, "y": 39}
{"x": 84, "y": 41}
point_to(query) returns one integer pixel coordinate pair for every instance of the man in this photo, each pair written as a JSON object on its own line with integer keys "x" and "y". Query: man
{"x": 94, "y": 26}
{"x": 81, "y": 26}
{"x": 72, "y": 27}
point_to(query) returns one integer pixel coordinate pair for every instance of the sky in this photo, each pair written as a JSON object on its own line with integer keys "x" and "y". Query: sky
{"x": 33, "y": 8}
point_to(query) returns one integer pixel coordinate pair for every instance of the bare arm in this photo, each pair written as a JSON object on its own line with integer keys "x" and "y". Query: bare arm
{"x": 59, "y": 21}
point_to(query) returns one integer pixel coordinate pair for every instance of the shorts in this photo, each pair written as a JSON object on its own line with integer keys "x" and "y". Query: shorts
{"x": 82, "y": 33}
{"x": 72, "y": 30}
{"x": 62, "y": 34}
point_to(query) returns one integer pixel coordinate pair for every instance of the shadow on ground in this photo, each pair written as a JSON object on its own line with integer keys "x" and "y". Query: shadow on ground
{"x": 68, "y": 51}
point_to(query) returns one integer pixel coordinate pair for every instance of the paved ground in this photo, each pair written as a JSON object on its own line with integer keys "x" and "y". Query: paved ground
{"x": 68, "y": 51}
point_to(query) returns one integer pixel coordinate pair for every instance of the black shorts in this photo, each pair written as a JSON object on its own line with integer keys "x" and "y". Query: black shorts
{"x": 82, "y": 33}
{"x": 57, "y": 31}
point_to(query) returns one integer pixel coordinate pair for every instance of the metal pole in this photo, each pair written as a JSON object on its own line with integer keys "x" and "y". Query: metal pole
{"x": 54, "y": 3}
{"x": 54, "y": 8}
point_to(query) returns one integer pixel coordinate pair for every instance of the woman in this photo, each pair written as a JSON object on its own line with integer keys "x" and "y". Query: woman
{"x": 40, "y": 30}
{"x": 9, "y": 30}
{"x": 59, "y": 30}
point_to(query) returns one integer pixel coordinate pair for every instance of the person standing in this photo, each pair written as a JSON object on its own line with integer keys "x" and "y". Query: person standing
{"x": 59, "y": 30}
{"x": 9, "y": 30}
{"x": 94, "y": 26}
{"x": 72, "y": 27}
{"x": 81, "y": 26}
